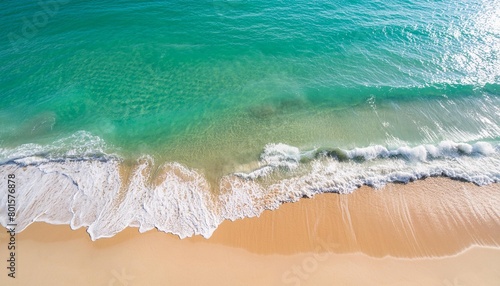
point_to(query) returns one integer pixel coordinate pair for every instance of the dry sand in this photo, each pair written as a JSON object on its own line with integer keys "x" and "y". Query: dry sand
{"x": 356, "y": 239}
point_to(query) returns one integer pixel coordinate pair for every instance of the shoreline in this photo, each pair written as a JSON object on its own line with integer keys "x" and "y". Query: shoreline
{"x": 358, "y": 212}
{"x": 109, "y": 196}
{"x": 277, "y": 248}
{"x": 431, "y": 217}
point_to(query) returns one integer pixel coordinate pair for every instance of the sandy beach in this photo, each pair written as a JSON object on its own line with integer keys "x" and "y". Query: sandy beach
{"x": 432, "y": 232}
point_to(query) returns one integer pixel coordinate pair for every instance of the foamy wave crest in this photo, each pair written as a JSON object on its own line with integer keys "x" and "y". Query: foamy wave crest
{"x": 80, "y": 145}
{"x": 446, "y": 159}
{"x": 275, "y": 156}
{"x": 106, "y": 197}
{"x": 423, "y": 153}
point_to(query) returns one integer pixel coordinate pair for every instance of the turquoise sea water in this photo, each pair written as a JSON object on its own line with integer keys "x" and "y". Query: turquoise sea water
{"x": 210, "y": 83}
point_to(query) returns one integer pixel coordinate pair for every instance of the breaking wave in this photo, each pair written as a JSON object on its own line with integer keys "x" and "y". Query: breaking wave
{"x": 74, "y": 181}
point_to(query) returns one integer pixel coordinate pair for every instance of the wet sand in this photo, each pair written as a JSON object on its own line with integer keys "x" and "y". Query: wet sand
{"x": 421, "y": 233}
{"x": 433, "y": 217}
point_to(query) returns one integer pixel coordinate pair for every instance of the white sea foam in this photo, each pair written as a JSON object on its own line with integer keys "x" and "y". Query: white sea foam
{"x": 75, "y": 188}
{"x": 275, "y": 156}
{"x": 80, "y": 145}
